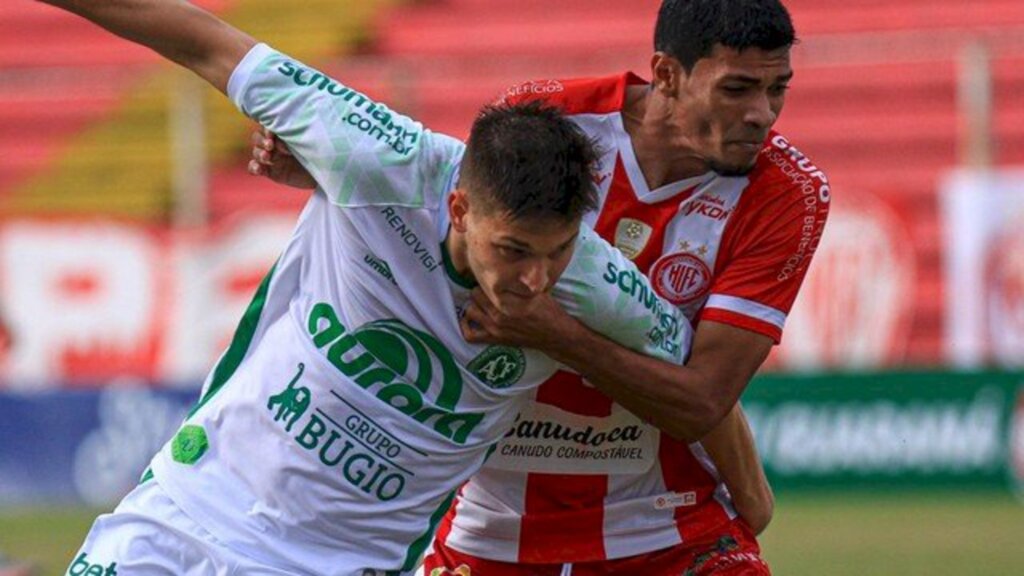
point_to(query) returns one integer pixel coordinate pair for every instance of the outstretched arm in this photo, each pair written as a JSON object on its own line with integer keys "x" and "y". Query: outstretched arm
{"x": 177, "y": 30}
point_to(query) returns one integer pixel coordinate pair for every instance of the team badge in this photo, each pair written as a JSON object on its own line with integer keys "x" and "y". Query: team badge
{"x": 498, "y": 366}
{"x": 681, "y": 278}
{"x": 631, "y": 237}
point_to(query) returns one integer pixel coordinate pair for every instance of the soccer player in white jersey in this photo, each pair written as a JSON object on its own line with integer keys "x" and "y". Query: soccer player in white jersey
{"x": 333, "y": 432}
{"x": 724, "y": 215}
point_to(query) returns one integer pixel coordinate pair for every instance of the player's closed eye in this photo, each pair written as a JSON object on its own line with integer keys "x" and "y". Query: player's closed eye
{"x": 510, "y": 252}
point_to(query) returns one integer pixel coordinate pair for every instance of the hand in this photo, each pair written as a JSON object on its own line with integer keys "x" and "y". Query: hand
{"x": 538, "y": 322}
{"x": 272, "y": 159}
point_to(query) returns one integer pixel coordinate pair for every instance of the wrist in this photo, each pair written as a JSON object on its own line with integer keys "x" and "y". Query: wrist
{"x": 566, "y": 340}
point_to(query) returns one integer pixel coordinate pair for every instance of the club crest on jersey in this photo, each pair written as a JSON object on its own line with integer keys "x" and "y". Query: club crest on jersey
{"x": 498, "y": 366}
{"x": 681, "y": 277}
{"x": 631, "y": 237}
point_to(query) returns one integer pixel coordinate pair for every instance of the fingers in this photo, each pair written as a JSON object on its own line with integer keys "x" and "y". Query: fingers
{"x": 257, "y": 169}
{"x": 484, "y": 304}
{"x": 472, "y": 330}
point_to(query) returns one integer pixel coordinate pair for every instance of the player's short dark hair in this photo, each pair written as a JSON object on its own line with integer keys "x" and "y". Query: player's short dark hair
{"x": 688, "y": 30}
{"x": 529, "y": 161}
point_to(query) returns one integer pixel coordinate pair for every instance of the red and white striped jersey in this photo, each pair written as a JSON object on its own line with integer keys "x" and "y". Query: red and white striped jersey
{"x": 579, "y": 478}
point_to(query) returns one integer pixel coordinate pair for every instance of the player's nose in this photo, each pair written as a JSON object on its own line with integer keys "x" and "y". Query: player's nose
{"x": 760, "y": 113}
{"x": 535, "y": 278}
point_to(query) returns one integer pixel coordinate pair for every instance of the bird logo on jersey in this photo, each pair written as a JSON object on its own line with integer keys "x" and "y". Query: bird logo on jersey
{"x": 631, "y": 237}
{"x": 681, "y": 277}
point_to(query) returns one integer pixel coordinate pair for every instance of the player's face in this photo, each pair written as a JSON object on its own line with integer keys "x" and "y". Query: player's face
{"x": 729, "y": 102}
{"x": 514, "y": 260}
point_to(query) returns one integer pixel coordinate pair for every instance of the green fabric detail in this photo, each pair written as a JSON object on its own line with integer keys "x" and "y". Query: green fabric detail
{"x": 146, "y": 476}
{"x": 189, "y": 445}
{"x": 417, "y": 548}
{"x": 449, "y": 268}
{"x": 239, "y": 343}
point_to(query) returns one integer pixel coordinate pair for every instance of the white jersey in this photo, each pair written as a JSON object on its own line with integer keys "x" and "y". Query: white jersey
{"x": 334, "y": 431}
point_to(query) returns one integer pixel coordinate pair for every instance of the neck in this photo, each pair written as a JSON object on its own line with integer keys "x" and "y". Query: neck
{"x": 663, "y": 150}
{"x": 455, "y": 243}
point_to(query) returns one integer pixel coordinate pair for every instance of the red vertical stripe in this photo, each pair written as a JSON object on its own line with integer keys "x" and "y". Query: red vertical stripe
{"x": 565, "y": 512}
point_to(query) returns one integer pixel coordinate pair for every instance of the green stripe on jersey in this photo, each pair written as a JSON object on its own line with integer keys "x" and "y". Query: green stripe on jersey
{"x": 420, "y": 544}
{"x": 449, "y": 267}
{"x": 239, "y": 342}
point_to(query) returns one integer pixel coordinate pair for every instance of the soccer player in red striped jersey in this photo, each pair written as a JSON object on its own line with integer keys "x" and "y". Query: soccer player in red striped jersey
{"x": 608, "y": 469}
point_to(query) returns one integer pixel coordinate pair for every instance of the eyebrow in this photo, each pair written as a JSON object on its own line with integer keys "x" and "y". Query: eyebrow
{"x": 754, "y": 79}
{"x": 524, "y": 245}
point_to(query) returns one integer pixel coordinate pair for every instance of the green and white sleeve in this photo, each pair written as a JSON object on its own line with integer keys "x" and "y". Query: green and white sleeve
{"x": 609, "y": 294}
{"x": 359, "y": 151}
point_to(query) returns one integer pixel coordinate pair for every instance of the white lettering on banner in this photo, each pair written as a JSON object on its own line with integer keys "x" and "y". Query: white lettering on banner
{"x": 215, "y": 278}
{"x": 982, "y": 216}
{"x": 881, "y": 437}
{"x": 1003, "y": 269}
{"x": 88, "y": 302}
{"x": 547, "y": 439}
{"x": 81, "y": 300}
{"x": 856, "y": 303}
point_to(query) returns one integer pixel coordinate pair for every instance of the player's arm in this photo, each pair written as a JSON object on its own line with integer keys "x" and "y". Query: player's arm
{"x": 742, "y": 320}
{"x": 177, "y": 30}
{"x": 686, "y": 402}
{"x": 731, "y": 446}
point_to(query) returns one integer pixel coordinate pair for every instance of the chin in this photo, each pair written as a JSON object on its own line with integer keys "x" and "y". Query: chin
{"x": 733, "y": 169}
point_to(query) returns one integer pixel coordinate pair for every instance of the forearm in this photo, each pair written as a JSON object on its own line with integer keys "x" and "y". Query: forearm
{"x": 685, "y": 402}
{"x": 731, "y": 447}
{"x": 678, "y": 400}
{"x": 177, "y": 30}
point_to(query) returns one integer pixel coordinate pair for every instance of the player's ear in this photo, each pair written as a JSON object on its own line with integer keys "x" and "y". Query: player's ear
{"x": 666, "y": 73}
{"x": 458, "y": 209}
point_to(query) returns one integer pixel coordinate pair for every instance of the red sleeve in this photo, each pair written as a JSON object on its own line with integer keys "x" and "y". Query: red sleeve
{"x": 768, "y": 245}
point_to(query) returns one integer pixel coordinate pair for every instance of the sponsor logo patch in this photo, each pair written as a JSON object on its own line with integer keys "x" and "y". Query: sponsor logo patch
{"x": 83, "y": 567}
{"x": 681, "y": 277}
{"x": 675, "y": 500}
{"x": 189, "y": 445}
{"x": 631, "y": 237}
{"x": 408, "y": 369}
